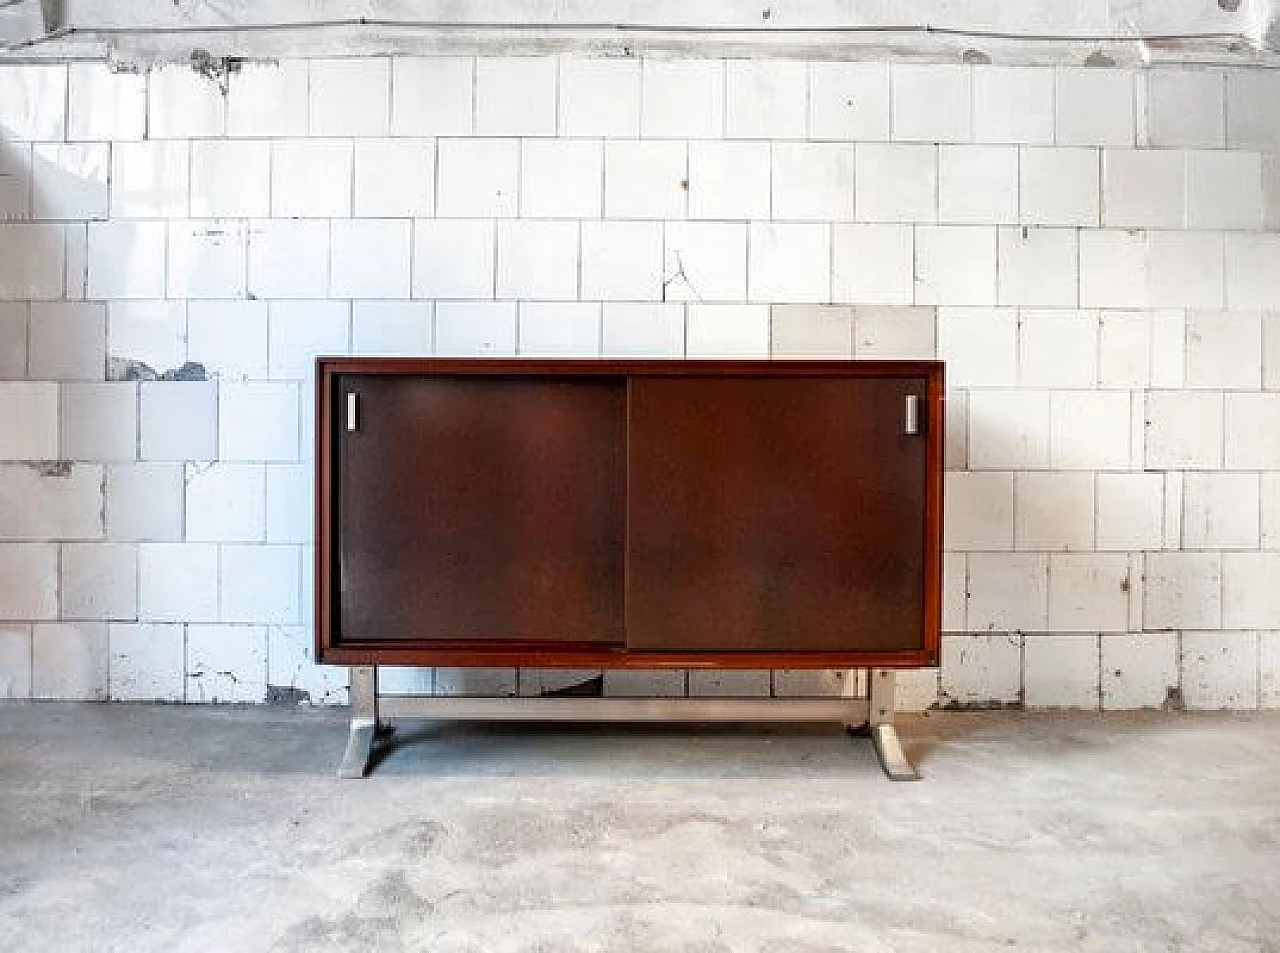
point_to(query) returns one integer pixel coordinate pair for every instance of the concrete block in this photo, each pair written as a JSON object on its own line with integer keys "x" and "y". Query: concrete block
{"x": 70, "y": 180}
{"x": 811, "y": 331}
{"x": 1271, "y": 351}
{"x": 642, "y": 330}
{"x": 956, "y": 450}
{"x": 350, "y": 96}
{"x": 369, "y": 258}
{"x": 1059, "y": 186}
{"x": 559, "y": 330}
{"x": 705, "y": 261}
{"x": 389, "y": 328}
{"x": 599, "y": 97}
{"x": 1008, "y": 592}
{"x": 1013, "y": 104}
{"x": 260, "y": 584}
{"x": 896, "y": 182}
{"x": 1061, "y": 671}
{"x": 818, "y": 683}
{"x": 895, "y": 334}
{"x": 150, "y": 179}
{"x": 1055, "y": 511}
{"x": 1224, "y": 190}
{"x": 1058, "y": 349}
{"x": 1253, "y": 110}
{"x": 178, "y": 420}
{"x": 1253, "y": 270}
{"x": 813, "y": 181}
{"x": 645, "y": 179}
{"x": 1184, "y": 269}
{"x": 930, "y": 102}
{"x": 127, "y": 259}
{"x": 290, "y": 496}
{"x": 178, "y": 582}
{"x": 956, "y": 264}
{"x": 268, "y": 99}
{"x": 1173, "y": 511}
{"x": 394, "y": 178}
{"x": 1089, "y": 592}
{"x": 311, "y": 178}
{"x": 226, "y": 502}
{"x": 765, "y": 99}
{"x": 292, "y": 674}
{"x": 34, "y": 103}
{"x": 849, "y": 101}
{"x": 979, "y": 511}
{"x": 31, "y": 407}
{"x": 477, "y": 177}
{"x": 1008, "y": 429}
{"x": 475, "y": 329}
{"x": 1185, "y": 108}
{"x": 28, "y": 580}
{"x": 100, "y": 581}
{"x": 1095, "y": 107}
{"x": 1219, "y": 670}
{"x": 534, "y": 682}
{"x": 1270, "y": 517}
{"x": 980, "y": 346}
{"x": 1185, "y": 431}
{"x": 516, "y": 96}
{"x": 226, "y": 664}
{"x": 482, "y": 682}
{"x": 230, "y": 178}
{"x": 977, "y": 185}
{"x": 622, "y": 261}
{"x": 15, "y": 662}
{"x": 453, "y": 259}
{"x": 728, "y": 683}
{"x": 146, "y": 339}
{"x": 1253, "y": 431}
{"x": 729, "y": 180}
{"x": 727, "y": 331}
{"x": 1124, "y": 349}
{"x": 1038, "y": 267}
{"x": 289, "y": 259}
{"x": 1143, "y": 188}
{"x": 561, "y": 178}
{"x": 15, "y": 179}
{"x": 1220, "y": 511}
{"x": 48, "y": 501}
{"x": 1140, "y": 671}
{"x": 147, "y": 662}
{"x": 183, "y": 104}
{"x": 207, "y": 259}
{"x": 144, "y": 502}
{"x": 1182, "y": 591}
{"x": 228, "y": 338}
{"x": 645, "y": 683}
{"x": 682, "y": 99}
{"x": 258, "y": 421}
{"x": 1089, "y": 430}
{"x": 788, "y": 262}
{"x": 432, "y": 95}
{"x": 955, "y": 591}
{"x": 13, "y": 341}
{"x": 538, "y": 260}
{"x": 99, "y": 421}
{"x": 1271, "y": 191}
{"x": 1250, "y": 596}
{"x": 873, "y": 264}
{"x": 65, "y": 341}
{"x": 69, "y": 661}
{"x": 33, "y": 260}
{"x": 981, "y": 671}
{"x": 1168, "y": 348}
{"x": 102, "y": 103}
{"x": 1268, "y": 669}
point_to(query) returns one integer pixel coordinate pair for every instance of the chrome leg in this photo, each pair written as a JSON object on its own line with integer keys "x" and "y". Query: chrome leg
{"x": 364, "y": 721}
{"x": 851, "y": 688}
{"x": 884, "y": 737}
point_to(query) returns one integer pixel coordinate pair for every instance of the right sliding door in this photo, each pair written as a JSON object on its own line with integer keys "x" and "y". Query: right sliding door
{"x": 775, "y": 514}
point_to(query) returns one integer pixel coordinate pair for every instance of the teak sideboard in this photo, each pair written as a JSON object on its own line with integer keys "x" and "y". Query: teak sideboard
{"x": 628, "y": 514}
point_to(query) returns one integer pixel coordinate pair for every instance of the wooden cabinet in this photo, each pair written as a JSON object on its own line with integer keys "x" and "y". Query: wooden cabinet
{"x": 628, "y": 514}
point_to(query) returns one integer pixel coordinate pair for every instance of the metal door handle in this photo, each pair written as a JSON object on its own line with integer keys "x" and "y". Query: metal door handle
{"x": 912, "y": 423}
{"x": 351, "y": 412}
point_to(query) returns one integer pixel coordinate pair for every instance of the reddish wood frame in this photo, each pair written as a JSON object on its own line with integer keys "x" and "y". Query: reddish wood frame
{"x": 578, "y": 655}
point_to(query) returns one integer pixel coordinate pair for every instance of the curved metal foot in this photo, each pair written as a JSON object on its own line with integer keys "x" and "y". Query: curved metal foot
{"x": 884, "y": 738}
{"x": 359, "y": 748}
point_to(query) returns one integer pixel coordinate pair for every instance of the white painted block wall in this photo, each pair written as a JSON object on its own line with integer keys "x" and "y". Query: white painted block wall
{"x": 1092, "y": 250}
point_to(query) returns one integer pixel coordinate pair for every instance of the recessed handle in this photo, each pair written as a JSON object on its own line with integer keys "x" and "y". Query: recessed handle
{"x": 351, "y": 412}
{"x": 911, "y": 425}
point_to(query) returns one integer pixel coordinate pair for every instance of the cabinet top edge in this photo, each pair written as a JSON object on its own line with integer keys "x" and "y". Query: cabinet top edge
{"x": 639, "y": 367}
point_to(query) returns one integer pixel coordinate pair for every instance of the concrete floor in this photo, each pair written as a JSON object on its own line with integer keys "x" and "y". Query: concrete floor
{"x": 139, "y": 828}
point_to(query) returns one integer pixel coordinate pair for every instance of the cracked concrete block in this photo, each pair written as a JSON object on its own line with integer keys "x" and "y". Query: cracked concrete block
{"x": 1185, "y": 108}
{"x": 813, "y": 181}
{"x": 311, "y": 178}
{"x": 145, "y": 339}
{"x": 1130, "y": 508}
{"x": 369, "y": 258}
{"x": 292, "y": 676}
{"x": 1037, "y": 267}
{"x": 258, "y": 421}
{"x": 432, "y": 95}
{"x": 873, "y": 264}
{"x": 453, "y": 259}
{"x": 599, "y": 97}
{"x": 810, "y": 331}
{"x": 849, "y": 101}
{"x": 30, "y": 409}
{"x": 729, "y": 179}
{"x": 1219, "y": 670}
{"x": 916, "y": 689}
{"x": 682, "y": 99}
{"x": 69, "y": 661}
{"x": 1250, "y": 595}
{"x": 559, "y": 330}
{"x": 1008, "y": 429}
{"x": 475, "y": 329}
{"x": 1140, "y": 670}
{"x": 226, "y": 502}
{"x": 981, "y": 671}
{"x": 260, "y": 584}
{"x": 1059, "y": 186}
{"x": 69, "y": 180}
{"x": 979, "y": 511}
{"x": 103, "y": 104}
{"x": 1182, "y": 591}
{"x": 183, "y": 104}
{"x": 1184, "y": 430}
{"x": 896, "y": 182}
{"x": 621, "y": 261}
{"x": 147, "y": 662}
{"x": 788, "y": 262}
{"x": 980, "y": 346}
{"x": 207, "y": 259}
{"x": 1054, "y": 511}
{"x": 1013, "y": 104}
{"x": 33, "y": 258}
{"x": 100, "y": 581}
{"x": 28, "y": 580}
{"x": 645, "y": 179}
{"x": 55, "y": 500}
{"x": 99, "y": 421}
{"x": 561, "y": 178}
{"x": 538, "y": 260}
{"x": 930, "y": 102}
{"x": 66, "y": 341}
{"x": 705, "y": 261}
{"x": 350, "y": 96}
{"x": 1253, "y": 270}
{"x": 1090, "y": 430}
{"x": 1220, "y": 511}
{"x": 642, "y": 330}
{"x": 33, "y": 105}
{"x": 391, "y": 328}
{"x": 150, "y": 179}
{"x": 1060, "y": 671}
{"x": 727, "y": 683}
{"x": 228, "y": 338}
{"x": 15, "y": 662}
{"x": 726, "y": 331}
{"x": 516, "y": 96}
{"x": 268, "y": 99}
{"x": 1088, "y": 592}
{"x": 126, "y": 259}
{"x": 977, "y": 185}
{"x": 1008, "y": 592}
{"x": 765, "y": 99}
{"x": 1143, "y": 188}
{"x": 226, "y": 663}
{"x": 178, "y": 420}
{"x": 956, "y": 264}
{"x": 478, "y": 177}
{"x": 289, "y": 259}
{"x": 178, "y": 582}
{"x": 230, "y": 178}
{"x": 1094, "y": 107}
{"x": 1253, "y": 431}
